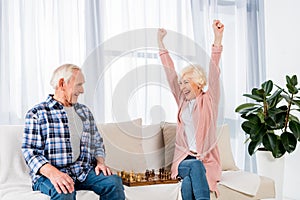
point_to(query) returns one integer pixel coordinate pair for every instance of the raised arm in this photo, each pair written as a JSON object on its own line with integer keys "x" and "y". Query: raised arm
{"x": 214, "y": 70}
{"x": 168, "y": 65}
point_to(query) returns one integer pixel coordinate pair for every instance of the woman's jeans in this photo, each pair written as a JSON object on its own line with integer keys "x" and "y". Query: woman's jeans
{"x": 108, "y": 187}
{"x": 194, "y": 183}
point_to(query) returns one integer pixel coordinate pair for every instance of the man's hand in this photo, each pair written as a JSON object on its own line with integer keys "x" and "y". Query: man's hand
{"x": 60, "y": 180}
{"x": 102, "y": 167}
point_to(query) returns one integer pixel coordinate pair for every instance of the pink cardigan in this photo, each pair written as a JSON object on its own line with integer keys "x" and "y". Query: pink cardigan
{"x": 205, "y": 118}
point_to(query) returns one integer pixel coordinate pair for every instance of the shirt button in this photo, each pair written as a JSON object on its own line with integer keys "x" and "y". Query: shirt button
{"x": 70, "y": 154}
{"x": 68, "y": 140}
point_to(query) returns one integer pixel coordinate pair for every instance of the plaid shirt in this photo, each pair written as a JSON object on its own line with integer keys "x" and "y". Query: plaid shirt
{"x": 47, "y": 140}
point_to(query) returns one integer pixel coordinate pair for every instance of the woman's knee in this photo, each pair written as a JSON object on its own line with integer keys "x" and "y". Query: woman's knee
{"x": 197, "y": 164}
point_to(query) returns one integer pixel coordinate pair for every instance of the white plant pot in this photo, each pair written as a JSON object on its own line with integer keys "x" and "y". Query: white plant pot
{"x": 273, "y": 168}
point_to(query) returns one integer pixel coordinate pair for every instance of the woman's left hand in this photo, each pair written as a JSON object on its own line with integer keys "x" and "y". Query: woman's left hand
{"x": 218, "y": 28}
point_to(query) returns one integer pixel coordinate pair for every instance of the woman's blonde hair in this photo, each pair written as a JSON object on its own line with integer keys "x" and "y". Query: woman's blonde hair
{"x": 65, "y": 71}
{"x": 196, "y": 73}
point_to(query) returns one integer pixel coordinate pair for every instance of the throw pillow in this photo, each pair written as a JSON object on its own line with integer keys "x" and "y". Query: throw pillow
{"x": 123, "y": 145}
{"x": 169, "y": 135}
{"x": 153, "y": 146}
{"x": 224, "y": 146}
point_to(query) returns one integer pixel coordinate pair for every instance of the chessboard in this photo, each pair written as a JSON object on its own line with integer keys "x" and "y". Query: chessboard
{"x": 148, "y": 178}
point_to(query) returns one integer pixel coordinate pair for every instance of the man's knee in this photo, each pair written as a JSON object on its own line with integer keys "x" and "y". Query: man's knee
{"x": 116, "y": 182}
{"x": 62, "y": 196}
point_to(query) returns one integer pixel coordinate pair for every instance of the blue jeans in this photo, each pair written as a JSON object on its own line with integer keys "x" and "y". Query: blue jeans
{"x": 194, "y": 183}
{"x": 107, "y": 187}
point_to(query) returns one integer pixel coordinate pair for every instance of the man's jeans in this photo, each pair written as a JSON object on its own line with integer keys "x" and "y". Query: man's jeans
{"x": 107, "y": 187}
{"x": 194, "y": 183}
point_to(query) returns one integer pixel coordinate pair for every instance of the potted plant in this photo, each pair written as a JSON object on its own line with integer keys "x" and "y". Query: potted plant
{"x": 271, "y": 120}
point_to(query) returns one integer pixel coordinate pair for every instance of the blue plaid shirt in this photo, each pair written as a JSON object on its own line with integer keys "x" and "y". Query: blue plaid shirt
{"x": 47, "y": 140}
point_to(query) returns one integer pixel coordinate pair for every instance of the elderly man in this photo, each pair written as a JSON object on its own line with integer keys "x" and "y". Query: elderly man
{"x": 62, "y": 145}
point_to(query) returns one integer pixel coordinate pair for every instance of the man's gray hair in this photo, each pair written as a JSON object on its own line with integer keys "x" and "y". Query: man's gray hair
{"x": 65, "y": 71}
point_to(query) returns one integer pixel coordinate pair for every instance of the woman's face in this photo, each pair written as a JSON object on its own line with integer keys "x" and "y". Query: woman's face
{"x": 189, "y": 88}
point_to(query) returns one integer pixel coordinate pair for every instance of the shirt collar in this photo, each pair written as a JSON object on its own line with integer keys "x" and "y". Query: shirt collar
{"x": 53, "y": 103}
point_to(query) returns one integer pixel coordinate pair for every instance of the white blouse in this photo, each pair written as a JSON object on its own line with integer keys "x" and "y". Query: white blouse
{"x": 187, "y": 117}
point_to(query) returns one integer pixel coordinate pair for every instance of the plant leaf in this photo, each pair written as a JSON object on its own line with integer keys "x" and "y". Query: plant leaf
{"x": 296, "y": 102}
{"x": 292, "y": 89}
{"x": 289, "y": 141}
{"x": 255, "y": 97}
{"x": 293, "y": 80}
{"x": 288, "y": 80}
{"x": 253, "y": 145}
{"x": 294, "y": 118}
{"x": 267, "y": 87}
{"x": 257, "y": 132}
{"x": 246, "y": 106}
{"x": 246, "y": 126}
{"x": 270, "y": 122}
{"x": 275, "y": 98}
{"x": 270, "y": 141}
{"x": 295, "y": 128}
{"x": 279, "y": 150}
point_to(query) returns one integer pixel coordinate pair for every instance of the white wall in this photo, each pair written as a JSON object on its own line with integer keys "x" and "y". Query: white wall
{"x": 282, "y": 22}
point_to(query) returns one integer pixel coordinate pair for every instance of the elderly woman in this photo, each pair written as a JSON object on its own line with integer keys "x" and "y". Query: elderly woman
{"x": 196, "y": 158}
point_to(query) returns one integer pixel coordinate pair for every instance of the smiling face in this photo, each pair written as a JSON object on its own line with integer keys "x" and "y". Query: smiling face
{"x": 74, "y": 87}
{"x": 192, "y": 81}
{"x": 189, "y": 88}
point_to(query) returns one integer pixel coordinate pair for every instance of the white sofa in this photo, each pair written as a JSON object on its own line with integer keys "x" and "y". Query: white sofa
{"x": 131, "y": 146}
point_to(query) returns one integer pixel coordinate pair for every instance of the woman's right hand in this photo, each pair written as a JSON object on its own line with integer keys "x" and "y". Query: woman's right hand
{"x": 161, "y": 33}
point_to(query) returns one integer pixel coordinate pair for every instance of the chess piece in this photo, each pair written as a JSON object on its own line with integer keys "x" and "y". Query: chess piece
{"x": 147, "y": 175}
{"x": 119, "y": 174}
{"x": 138, "y": 177}
{"x": 131, "y": 177}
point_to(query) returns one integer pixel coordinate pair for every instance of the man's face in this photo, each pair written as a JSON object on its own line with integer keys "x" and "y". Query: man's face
{"x": 74, "y": 87}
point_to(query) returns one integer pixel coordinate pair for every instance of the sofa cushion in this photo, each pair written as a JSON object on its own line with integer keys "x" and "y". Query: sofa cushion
{"x": 266, "y": 190}
{"x": 226, "y": 157}
{"x": 123, "y": 145}
{"x": 153, "y": 146}
{"x": 169, "y": 133}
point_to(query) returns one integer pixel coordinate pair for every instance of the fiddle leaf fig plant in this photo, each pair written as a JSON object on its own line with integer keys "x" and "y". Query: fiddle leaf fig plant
{"x": 271, "y": 119}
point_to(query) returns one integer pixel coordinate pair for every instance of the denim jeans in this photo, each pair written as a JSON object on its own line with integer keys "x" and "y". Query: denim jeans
{"x": 107, "y": 187}
{"x": 194, "y": 183}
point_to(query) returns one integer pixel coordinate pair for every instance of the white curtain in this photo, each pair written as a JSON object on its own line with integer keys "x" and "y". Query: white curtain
{"x": 243, "y": 59}
{"x": 36, "y": 37}
{"x": 127, "y": 78}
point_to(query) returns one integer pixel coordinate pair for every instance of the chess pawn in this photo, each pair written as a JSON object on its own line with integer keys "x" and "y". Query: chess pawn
{"x": 169, "y": 176}
{"x": 119, "y": 174}
{"x": 131, "y": 178}
{"x": 123, "y": 174}
{"x": 152, "y": 173}
{"x": 160, "y": 173}
{"x": 147, "y": 175}
{"x": 138, "y": 177}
